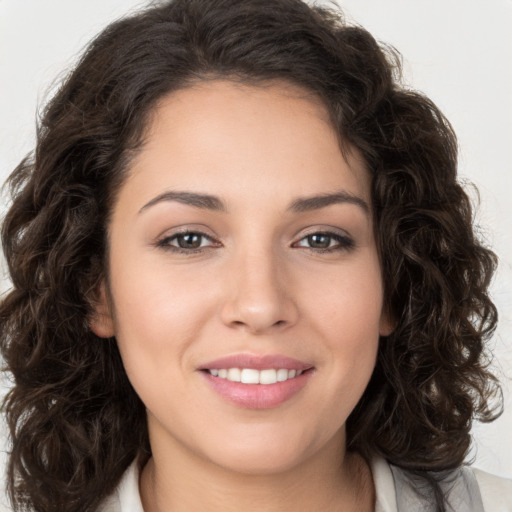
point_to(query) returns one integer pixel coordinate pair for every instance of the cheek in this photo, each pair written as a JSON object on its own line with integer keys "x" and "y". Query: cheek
{"x": 156, "y": 296}
{"x": 350, "y": 301}
{"x": 157, "y": 316}
{"x": 348, "y": 316}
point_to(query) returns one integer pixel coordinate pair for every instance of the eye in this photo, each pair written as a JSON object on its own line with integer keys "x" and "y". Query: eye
{"x": 186, "y": 242}
{"x": 326, "y": 242}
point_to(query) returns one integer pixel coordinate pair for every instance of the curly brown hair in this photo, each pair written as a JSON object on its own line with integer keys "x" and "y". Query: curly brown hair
{"x": 75, "y": 421}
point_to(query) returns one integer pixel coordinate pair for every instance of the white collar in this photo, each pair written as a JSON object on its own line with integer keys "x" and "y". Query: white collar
{"x": 128, "y": 490}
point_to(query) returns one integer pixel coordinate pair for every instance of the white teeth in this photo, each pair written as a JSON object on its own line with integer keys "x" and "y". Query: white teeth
{"x": 282, "y": 375}
{"x": 234, "y": 374}
{"x": 252, "y": 376}
{"x": 268, "y": 376}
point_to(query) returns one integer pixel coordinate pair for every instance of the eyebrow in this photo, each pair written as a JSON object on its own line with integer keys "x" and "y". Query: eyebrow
{"x": 306, "y": 204}
{"x": 299, "y": 205}
{"x": 203, "y": 201}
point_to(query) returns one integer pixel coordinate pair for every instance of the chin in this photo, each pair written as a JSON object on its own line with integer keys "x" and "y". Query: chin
{"x": 263, "y": 455}
{"x": 258, "y": 464}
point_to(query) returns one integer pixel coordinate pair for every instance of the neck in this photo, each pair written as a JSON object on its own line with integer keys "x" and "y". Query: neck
{"x": 331, "y": 480}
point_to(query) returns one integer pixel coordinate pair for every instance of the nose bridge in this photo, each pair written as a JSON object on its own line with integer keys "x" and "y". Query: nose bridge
{"x": 259, "y": 295}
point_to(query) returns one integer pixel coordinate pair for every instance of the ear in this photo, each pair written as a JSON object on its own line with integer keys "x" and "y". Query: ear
{"x": 102, "y": 322}
{"x": 387, "y": 324}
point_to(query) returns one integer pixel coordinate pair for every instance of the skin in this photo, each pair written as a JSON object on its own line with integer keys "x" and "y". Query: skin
{"x": 259, "y": 286}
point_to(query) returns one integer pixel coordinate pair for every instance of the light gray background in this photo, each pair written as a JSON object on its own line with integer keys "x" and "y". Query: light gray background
{"x": 457, "y": 52}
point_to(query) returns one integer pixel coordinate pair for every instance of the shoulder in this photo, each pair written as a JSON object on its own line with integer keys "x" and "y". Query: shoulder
{"x": 467, "y": 489}
{"x": 496, "y": 491}
{"x": 126, "y": 497}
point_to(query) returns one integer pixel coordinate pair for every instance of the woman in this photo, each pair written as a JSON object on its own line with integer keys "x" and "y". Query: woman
{"x": 244, "y": 276}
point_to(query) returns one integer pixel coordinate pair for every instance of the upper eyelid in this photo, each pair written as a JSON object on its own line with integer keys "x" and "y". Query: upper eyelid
{"x": 327, "y": 231}
{"x": 317, "y": 231}
{"x": 332, "y": 232}
{"x": 171, "y": 233}
{"x": 312, "y": 231}
{"x": 173, "y": 236}
{"x": 344, "y": 241}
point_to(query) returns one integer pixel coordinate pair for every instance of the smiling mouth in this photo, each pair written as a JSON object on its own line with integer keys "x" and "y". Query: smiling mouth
{"x": 257, "y": 388}
{"x": 253, "y": 376}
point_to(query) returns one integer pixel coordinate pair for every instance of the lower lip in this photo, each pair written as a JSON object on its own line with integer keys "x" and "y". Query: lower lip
{"x": 257, "y": 396}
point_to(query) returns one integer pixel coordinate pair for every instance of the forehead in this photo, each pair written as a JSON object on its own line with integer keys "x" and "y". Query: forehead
{"x": 218, "y": 92}
{"x": 228, "y": 137}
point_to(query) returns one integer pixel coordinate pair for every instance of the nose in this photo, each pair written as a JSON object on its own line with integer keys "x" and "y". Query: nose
{"x": 259, "y": 297}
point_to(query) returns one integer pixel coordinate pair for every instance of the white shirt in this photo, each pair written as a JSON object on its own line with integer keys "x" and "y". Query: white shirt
{"x": 496, "y": 492}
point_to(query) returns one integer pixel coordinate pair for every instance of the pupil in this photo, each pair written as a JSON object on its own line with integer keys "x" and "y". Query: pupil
{"x": 319, "y": 241}
{"x": 190, "y": 241}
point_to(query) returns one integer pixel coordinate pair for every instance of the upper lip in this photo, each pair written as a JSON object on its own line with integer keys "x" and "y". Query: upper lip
{"x": 265, "y": 362}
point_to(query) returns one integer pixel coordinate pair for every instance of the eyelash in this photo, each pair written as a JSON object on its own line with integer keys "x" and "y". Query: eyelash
{"x": 345, "y": 243}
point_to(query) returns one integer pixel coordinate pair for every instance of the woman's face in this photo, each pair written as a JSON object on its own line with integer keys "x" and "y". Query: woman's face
{"x": 241, "y": 247}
